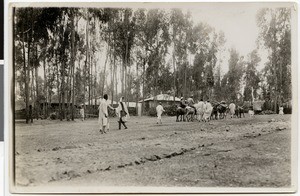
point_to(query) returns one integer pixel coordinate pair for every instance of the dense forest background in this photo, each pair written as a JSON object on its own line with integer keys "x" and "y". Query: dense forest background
{"x": 72, "y": 56}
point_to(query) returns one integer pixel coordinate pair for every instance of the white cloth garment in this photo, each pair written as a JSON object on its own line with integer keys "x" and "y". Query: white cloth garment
{"x": 207, "y": 111}
{"x": 103, "y": 114}
{"x": 159, "y": 111}
{"x": 119, "y": 109}
{"x": 232, "y": 109}
{"x": 281, "y": 111}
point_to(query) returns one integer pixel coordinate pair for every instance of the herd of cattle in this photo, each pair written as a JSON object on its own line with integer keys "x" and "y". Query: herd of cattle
{"x": 205, "y": 111}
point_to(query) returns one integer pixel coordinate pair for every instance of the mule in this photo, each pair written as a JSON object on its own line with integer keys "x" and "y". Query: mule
{"x": 214, "y": 113}
{"x": 239, "y": 112}
{"x": 222, "y": 111}
{"x": 180, "y": 113}
{"x": 190, "y": 113}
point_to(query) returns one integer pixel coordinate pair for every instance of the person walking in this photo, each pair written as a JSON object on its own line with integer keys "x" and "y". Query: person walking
{"x": 103, "y": 114}
{"x": 159, "y": 111}
{"x": 122, "y": 112}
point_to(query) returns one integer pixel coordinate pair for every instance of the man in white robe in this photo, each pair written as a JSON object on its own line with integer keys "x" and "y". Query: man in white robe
{"x": 159, "y": 111}
{"x": 232, "y": 108}
{"x": 207, "y": 111}
{"x": 103, "y": 114}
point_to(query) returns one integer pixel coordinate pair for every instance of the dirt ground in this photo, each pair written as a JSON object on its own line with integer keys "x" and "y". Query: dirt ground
{"x": 247, "y": 152}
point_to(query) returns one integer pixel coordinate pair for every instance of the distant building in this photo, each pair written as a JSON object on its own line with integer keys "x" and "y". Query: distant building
{"x": 98, "y": 100}
{"x": 165, "y": 99}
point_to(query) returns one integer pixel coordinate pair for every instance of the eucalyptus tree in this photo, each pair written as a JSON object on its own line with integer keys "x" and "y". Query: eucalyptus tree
{"x": 201, "y": 41}
{"x": 152, "y": 41}
{"x": 234, "y": 76}
{"x": 123, "y": 42}
{"x": 275, "y": 35}
{"x": 32, "y": 30}
{"x": 141, "y": 51}
{"x": 180, "y": 24}
{"x": 217, "y": 75}
{"x": 252, "y": 76}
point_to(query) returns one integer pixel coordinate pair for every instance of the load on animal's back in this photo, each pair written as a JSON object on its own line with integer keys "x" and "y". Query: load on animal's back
{"x": 232, "y": 108}
{"x": 200, "y": 108}
{"x": 186, "y": 110}
{"x": 207, "y": 112}
{"x": 222, "y": 109}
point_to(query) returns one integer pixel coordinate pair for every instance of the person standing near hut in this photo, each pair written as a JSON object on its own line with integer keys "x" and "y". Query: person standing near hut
{"x": 159, "y": 111}
{"x": 281, "y": 110}
{"x": 103, "y": 114}
{"x": 122, "y": 112}
{"x": 30, "y": 114}
{"x": 81, "y": 111}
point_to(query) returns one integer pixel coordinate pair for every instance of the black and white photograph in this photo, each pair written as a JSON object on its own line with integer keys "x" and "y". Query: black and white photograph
{"x": 153, "y": 97}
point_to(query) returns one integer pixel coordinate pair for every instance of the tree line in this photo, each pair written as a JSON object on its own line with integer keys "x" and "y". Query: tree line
{"x": 74, "y": 55}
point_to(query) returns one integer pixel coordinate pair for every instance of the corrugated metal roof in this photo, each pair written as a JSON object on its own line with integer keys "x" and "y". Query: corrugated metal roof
{"x": 162, "y": 97}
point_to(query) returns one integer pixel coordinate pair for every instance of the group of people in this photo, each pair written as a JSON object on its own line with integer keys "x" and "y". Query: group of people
{"x": 121, "y": 111}
{"x": 204, "y": 109}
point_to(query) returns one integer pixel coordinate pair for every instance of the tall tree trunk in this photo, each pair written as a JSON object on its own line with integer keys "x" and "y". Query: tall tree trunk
{"x": 117, "y": 79}
{"x": 45, "y": 89}
{"x": 69, "y": 92}
{"x": 104, "y": 71}
{"x": 143, "y": 103}
{"x": 174, "y": 66}
{"x": 63, "y": 88}
{"x": 48, "y": 88}
{"x": 90, "y": 78}
{"x": 126, "y": 65}
{"x": 58, "y": 86}
{"x": 87, "y": 54}
{"x": 113, "y": 79}
{"x": 37, "y": 93}
{"x": 37, "y": 84}
{"x": 95, "y": 84}
{"x": 30, "y": 61}
{"x": 26, "y": 75}
{"x": 32, "y": 86}
{"x": 137, "y": 88}
{"x": 185, "y": 90}
{"x": 73, "y": 63}
{"x": 122, "y": 77}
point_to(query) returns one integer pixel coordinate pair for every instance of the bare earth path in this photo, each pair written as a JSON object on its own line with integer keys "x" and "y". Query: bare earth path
{"x": 247, "y": 152}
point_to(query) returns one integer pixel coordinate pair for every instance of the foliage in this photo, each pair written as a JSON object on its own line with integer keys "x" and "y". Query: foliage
{"x": 170, "y": 110}
{"x": 252, "y": 77}
{"x": 132, "y": 111}
{"x": 53, "y": 116}
{"x": 275, "y": 35}
{"x": 59, "y": 53}
{"x": 231, "y": 82}
{"x": 152, "y": 112}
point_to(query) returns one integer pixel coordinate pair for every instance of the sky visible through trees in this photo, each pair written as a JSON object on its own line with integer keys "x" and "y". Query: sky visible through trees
{"x": 72, "y": 56}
